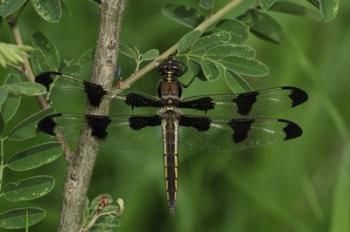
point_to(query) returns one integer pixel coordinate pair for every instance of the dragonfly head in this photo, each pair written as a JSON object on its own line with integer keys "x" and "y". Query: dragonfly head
{"x": 171, "y": 68}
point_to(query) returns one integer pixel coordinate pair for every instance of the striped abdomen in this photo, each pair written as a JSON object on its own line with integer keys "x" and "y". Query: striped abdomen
{"x": 170, "y": 140}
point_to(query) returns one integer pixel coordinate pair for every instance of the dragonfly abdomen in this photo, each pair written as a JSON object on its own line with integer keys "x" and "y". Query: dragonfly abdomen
{"x": 170, "y": 140}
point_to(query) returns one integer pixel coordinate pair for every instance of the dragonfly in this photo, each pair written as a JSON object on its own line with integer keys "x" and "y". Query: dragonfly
{"x": 246, "y": 125}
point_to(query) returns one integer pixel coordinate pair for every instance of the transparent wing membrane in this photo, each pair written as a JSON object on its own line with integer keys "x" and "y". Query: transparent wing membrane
{"x": 238, "y": 134}
{"x": 118, "y": 133}
{"x": 61, "y": 85}
{"x": 221, "y": 135}
{"x": 260, "y": 103}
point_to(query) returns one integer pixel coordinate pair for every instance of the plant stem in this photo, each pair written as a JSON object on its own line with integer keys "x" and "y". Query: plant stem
{"x": 201, "y": 27}
{"x": 81, "y": 164}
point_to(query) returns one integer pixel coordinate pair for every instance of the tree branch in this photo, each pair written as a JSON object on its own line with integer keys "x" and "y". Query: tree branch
{"x": 81, "y": 165}
{"x": 201, "y": 27}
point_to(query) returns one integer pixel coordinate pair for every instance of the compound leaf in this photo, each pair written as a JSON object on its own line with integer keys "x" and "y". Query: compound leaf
{"x": 27, "y": 128}
{"x": 183, "y": 14}
{"x": 20, "y": 218}
{"x": 50, "y": 52}
{"x": 266, "y": 4}
{"x": 329, "y": 9}
{"x": 8, "y": 7}
{"x": 49, "y": 10}
{"x": 29, "y": 189}
{"x": 237, "y": 29}
{"x": 150, "y": 54}
{"x": 12, "y": 103}
{"x": 188, "y": 40}
{"x": 34, "y": 157}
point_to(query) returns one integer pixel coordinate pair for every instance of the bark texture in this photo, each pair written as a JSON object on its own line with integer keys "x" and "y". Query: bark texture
{"x": 81, "y": 164}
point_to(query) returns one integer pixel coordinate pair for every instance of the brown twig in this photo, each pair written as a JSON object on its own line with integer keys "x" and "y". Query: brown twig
{"x": 81, "y": 165}
{"x": 214, "y": 18}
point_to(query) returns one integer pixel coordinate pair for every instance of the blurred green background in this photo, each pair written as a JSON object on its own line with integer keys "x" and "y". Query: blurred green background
{"x": 300, "y": 185}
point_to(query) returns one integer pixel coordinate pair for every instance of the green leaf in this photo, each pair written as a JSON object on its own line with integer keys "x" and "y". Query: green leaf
{"x": 12, "y": 54}
{"x": 150, "y": 54}
{"x": 213, "y": 40}
{"x": 39, "y": 62}
{"x": 294, "y": 9}
{"x": 316, "y": 3}
{"x": 97, "y": 2}
{"x": 11, "y": 106}
{"x": 16, "y": 218}
{"x": 245, "y": 66}
{"x": 236, "y": 83}
{"x": 25, "y": 89}
{"x": 3, "y": 96}
{"x": 35, "y": 156}
{"x": 210, "y": 69}
{"x": 106, "y": 223}
{"x": 264, "y": 26}
{"x": 49, "y": 10}
{"x": 207, "y": 4}
{"x": 129, "y": 50}
{"x": 216, "y": 54}
{"x": 183, "y": 14}
{"x": 50, "y": 52}
{"x": 329, "y": 9}
{"x": 266, "y": 4}
{"x": 29, "y": 188}
{"x": 2, "y": 124}
{"x": 73, "y": 68}
{"x": 188, "y": 40}
{"x": 237, "y": 29}
{"x": 109, "y": 222}
{"x": 27, "y": 128}
{"x": 87, "y": 57}
{"x": 8, "y": 7}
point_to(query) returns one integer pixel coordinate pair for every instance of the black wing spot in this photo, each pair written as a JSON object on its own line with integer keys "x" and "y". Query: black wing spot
{"x": 240, "y": 129}
{"x": 139, "y": 122}
{"x": 203, "y": 104}
{"x": 297, "y": 95}
{"x": 98, "y": 125}
{"x": 94, "y": 93}
{"x": 199, "y": 123}
{"x": 245, "y": 102}
{"x": 46, "y": 78}
{"x": 292, "y": 130}
{"x": 137, "y": 100}
{"x": 47, "y": 124}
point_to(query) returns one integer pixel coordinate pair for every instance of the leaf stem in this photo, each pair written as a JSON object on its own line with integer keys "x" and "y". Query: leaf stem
{"x": 214, "y": 18}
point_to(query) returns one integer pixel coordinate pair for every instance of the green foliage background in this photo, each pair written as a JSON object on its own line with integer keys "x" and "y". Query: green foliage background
{"x": 302, "y": 185}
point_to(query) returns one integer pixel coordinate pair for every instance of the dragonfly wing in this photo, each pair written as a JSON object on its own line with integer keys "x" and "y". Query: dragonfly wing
{"x": 250, "y": 104}
{"x": 60, "y": 83}
{"x": 119, "y": 132}
{"x": 235, "y": 134}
